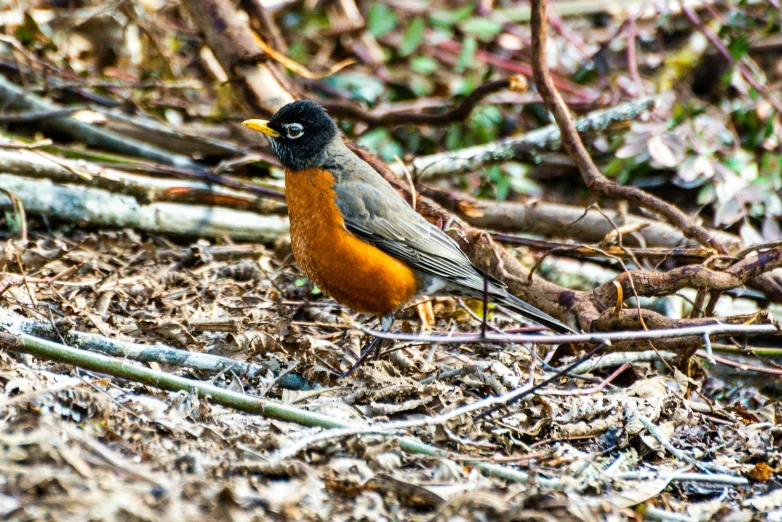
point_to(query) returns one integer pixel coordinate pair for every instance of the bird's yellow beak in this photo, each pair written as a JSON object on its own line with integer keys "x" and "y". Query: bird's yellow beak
{"x": 261, "y": 126}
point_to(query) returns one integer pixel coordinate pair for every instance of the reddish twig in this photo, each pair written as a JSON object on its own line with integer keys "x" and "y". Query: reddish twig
{"x": 693, "y": 17}
{"x": 594, "y": 389}
{"x": 458, "y": 113}
{"x": 594, "y": 179}
{"x": 514, "y": 66}
{"x": 632, "y": 61}
{"x": 598, "y": 184}
{"x": 581, "y": 250}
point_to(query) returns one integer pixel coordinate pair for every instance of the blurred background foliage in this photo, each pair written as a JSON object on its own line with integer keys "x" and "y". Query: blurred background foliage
{"x": 712, "y": 145}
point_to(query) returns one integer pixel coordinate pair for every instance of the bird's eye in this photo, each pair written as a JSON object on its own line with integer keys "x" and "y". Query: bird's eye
{"x": 295, "y": 130}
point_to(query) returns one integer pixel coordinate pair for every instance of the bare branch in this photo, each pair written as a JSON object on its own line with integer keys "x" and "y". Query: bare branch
{"x": 519, "y": 148}
{"x": 458, "y": 113}
{"x": 594, "y": 179}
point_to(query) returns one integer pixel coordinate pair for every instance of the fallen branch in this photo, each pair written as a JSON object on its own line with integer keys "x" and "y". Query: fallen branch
{"x": 612, "y": 360}
{"x": 699, "y": 277}
{"x": 726, "y": 480}
{"x": 458, "y": 113}
{"x": 712, "y": 329}
{"x": 152, "y": 130}
{"x": 23, "y": 343}
{"x": 519, "y": 148}
{"x": 162, "y": 354}
{"x": 598, "y": 184}
{"x": 235, "y": 47}
{"x": 564, "y": 221}
{"x": 740, "y": 365}
{"x": 655, "y": 431}
{"x": 99, "y": 207}
{"x": 575, "y": 250}
{"x": 15, "y": 97}
{"x": 145, "y": 189}
{"x": 651, "y": 512}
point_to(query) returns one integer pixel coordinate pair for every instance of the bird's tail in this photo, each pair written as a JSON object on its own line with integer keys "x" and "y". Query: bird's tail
{"x": 514, "y": 304}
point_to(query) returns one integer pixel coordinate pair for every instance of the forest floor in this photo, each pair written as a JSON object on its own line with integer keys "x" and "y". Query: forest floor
{"x": 208, "y": 301}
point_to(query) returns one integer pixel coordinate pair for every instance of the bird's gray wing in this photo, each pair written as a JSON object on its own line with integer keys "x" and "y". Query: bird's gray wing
{"x": 379, "y": 216}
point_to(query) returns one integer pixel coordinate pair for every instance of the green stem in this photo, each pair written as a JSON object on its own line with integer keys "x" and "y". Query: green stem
{"x": 52, "y": 351}
{"x": 768, "y": 352}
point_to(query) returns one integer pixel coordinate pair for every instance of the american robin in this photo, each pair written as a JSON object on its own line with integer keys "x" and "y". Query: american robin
{"x": 356, "y": 238}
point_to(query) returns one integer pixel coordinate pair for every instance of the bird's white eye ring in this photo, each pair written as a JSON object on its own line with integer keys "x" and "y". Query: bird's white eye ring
{"x": 294, "y": 130}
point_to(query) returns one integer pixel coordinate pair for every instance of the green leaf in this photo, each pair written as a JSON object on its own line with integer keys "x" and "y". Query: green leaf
{"x": 381, "y": 143}
{"x": 424, "y": 64}
{"x": 738, "y": 47}
{"x": 614, "y": 167}
{"x": 499, "y": 181}
{"x": 707, "y": 195}
{"x": 484, "y": 123}
{"x": 298, "y": 51}
{"x": 29, "y": 31}
{"x": 482, "y": 28}
{"x": 518, "y": 180}
{"x": 453, "y": 138}
{"x": 361, "y": 86}
{"x": 447, "y": 19}
{"x": 463, "y": 85}
{"x": 467, "y": 56}
{"x": 381, "y": 20}
{"x": 421, "y": 85}
{"x": 585, "y": 73}
{"x": 414, "y": 36}
{"x": 525, "y": 186}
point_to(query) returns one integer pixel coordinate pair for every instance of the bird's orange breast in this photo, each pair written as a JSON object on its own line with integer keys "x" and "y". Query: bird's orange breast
{"x": 351, "y": 271}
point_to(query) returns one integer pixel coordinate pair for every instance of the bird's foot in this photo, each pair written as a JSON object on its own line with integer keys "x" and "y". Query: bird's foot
{"x": 373, "y": 346}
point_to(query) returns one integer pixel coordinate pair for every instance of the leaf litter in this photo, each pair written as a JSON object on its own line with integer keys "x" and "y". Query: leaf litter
{"x": 78, "y": 445}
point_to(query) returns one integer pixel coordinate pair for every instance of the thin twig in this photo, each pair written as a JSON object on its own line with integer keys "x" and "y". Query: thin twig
{"x": 736, "y": 364}
{"x": 271, "y": 409}
{"x": 594, "y": 389}
{"x": 758, "y": 246}
{"x": 409, "y": 178}
{"x": 723, "y": 479}
{"x": 581, "y": 250}
{"x": 655, "y": 431}
{"x": 458, "y": 113}
{"x": 598, "y": 184}
{"x": 693, "y": 17}
{"x": 598, "y": 337}
{"x": 137, "y": 352}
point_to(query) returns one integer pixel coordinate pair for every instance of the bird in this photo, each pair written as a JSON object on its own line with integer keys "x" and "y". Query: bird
{"x": 357, "y": 238}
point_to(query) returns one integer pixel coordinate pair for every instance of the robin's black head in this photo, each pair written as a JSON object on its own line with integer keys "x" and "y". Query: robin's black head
{"x": 298, "y": 133}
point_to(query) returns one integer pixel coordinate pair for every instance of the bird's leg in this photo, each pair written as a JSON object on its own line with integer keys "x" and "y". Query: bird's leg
{"x": 374, "y": 345}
